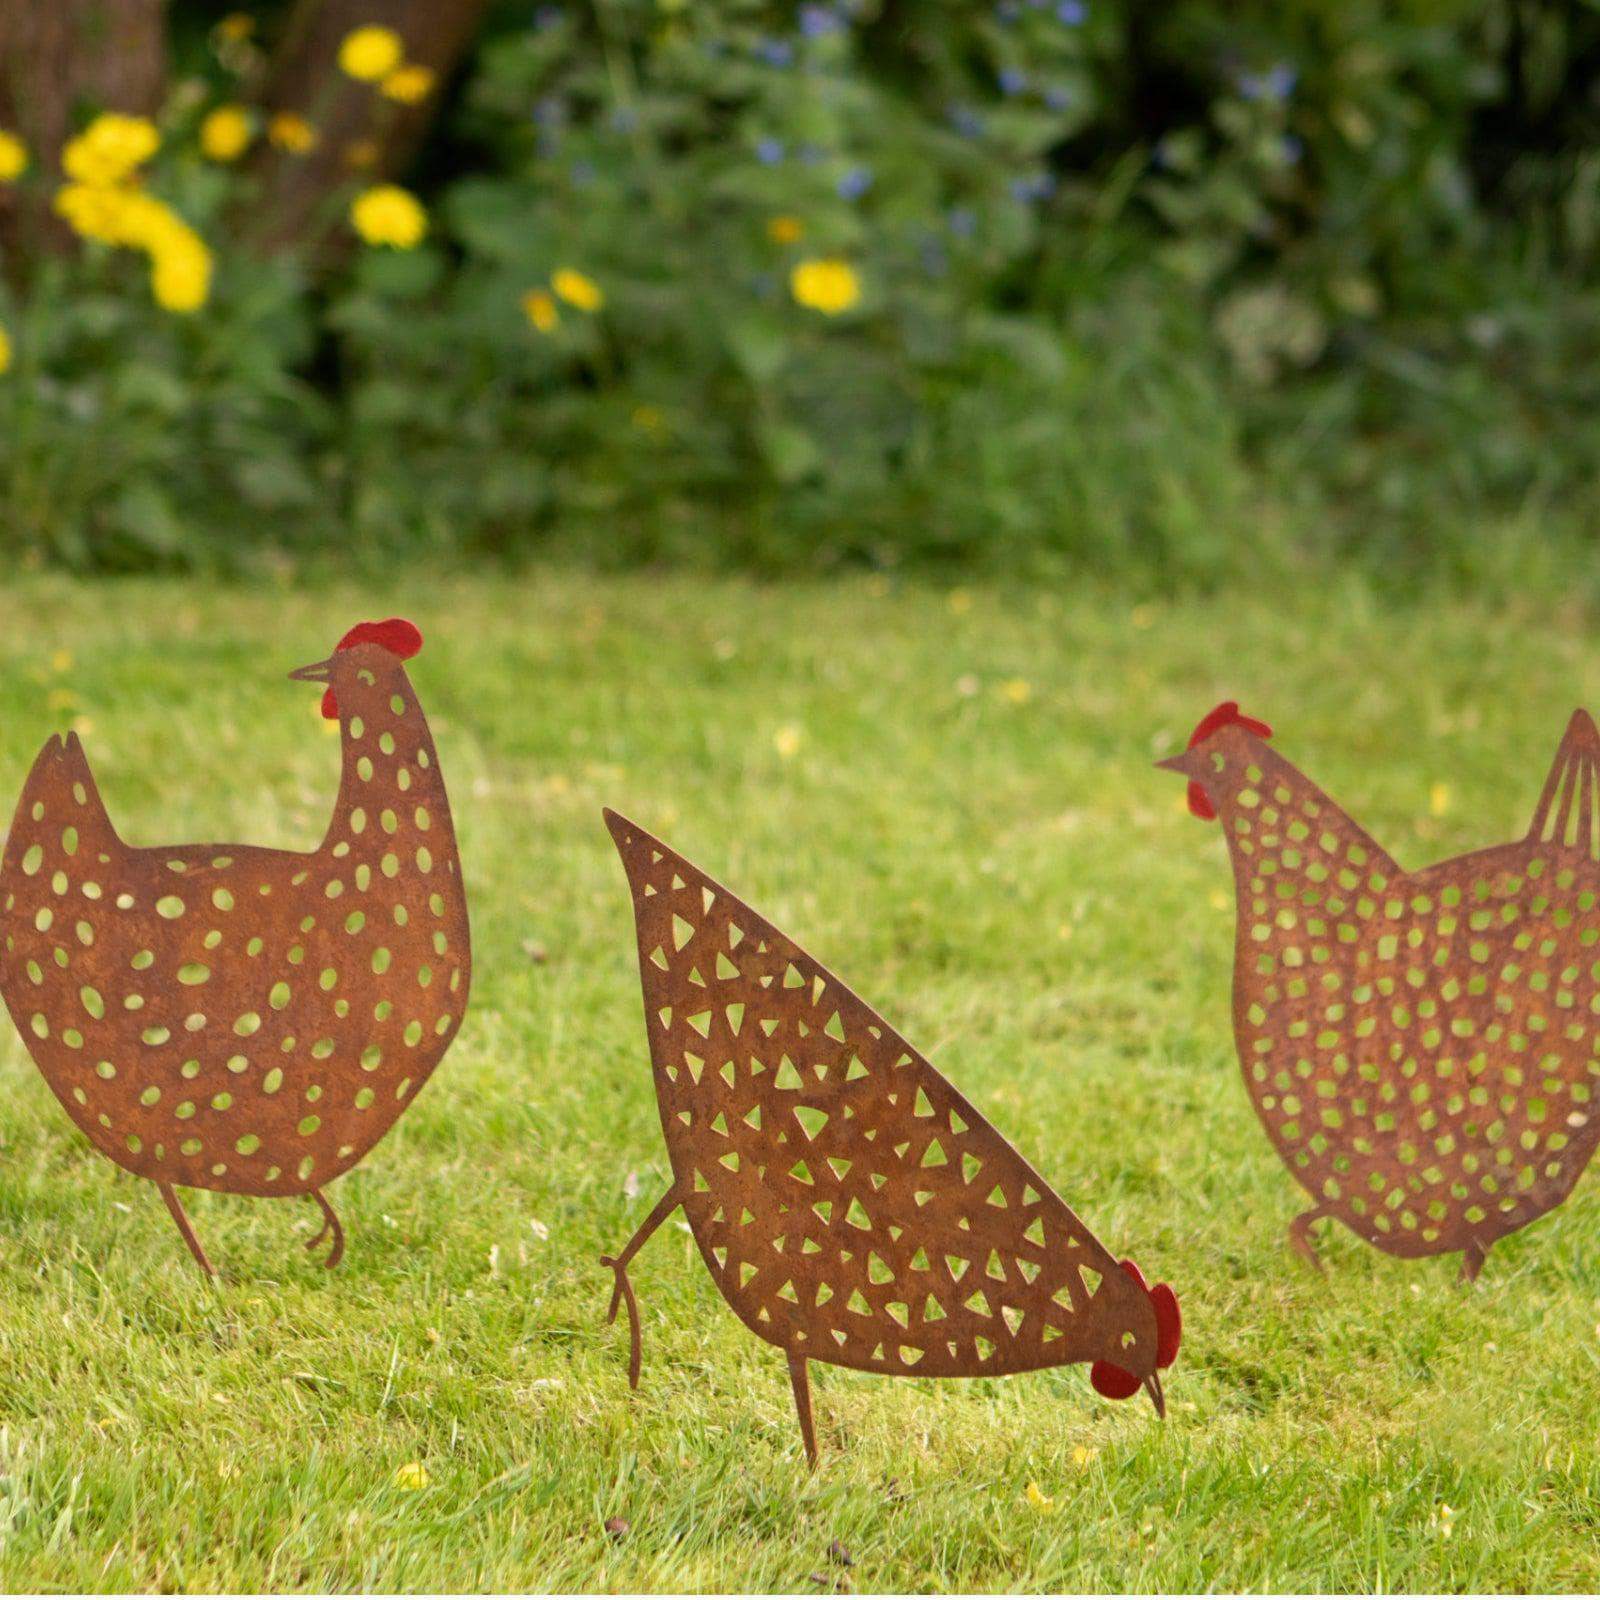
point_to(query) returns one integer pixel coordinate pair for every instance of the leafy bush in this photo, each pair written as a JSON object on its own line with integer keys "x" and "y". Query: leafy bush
{"x": 1045, "y": 281}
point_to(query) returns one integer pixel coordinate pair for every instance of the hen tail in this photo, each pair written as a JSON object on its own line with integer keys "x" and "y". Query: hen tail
{"x": 60, "y": 809}
{"x": 1568, "y": 813}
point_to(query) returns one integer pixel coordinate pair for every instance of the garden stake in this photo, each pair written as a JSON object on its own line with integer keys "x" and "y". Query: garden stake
{"x": 850, "y": 1205}
{"x": 1420, "y": 1047}
{"x": 240, "y": 1019}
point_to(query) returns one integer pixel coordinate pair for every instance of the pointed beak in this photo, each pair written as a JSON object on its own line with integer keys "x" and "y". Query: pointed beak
{"x": 1178, "y": 764}
{"x": 1152, "y": 1387}
{"x": 317, "y": 672}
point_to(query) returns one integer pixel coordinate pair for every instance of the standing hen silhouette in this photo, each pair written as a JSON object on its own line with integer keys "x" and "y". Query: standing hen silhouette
{"x": 850, "y": 1205}
{"x": 1420, "y": 1046}
{"x": 232, "y": 1018}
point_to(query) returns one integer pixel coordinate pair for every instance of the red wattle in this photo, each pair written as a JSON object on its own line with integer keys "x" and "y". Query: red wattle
{"x": 1114, "y": 1382}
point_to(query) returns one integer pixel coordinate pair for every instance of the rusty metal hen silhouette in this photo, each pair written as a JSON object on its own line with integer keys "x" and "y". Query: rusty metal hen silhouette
{"x": 1421, "y": 1047}
{"x": 850, "y": 1205}
{"x": 241, "y": 1019}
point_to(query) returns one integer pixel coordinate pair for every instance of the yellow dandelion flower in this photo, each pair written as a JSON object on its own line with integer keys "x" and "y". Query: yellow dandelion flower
{"x": 539, "y": 307}
{"x": 825, "y": 284}
{"x": 1037, "y": 1498}
{"x": 180, "y": 273}
{"x": 577, "y": 290}
{"x": 1018, "y": 691}
{"x": 5, "y": 351}
{"x": 289, "y": 131}
{"x": 410, "y": 84}
{"x": 413, "y": 1475}
{"x": 13, "y": 157}
{"x": 787, "y": 741}
{"x": 650, "y": 419}
{"x": 236, "y": 26}
{"x": 389, "y": 215}
{"x": 1439, "y": 799}
{"x": 61, "y": 661}
{"x": 361, "y": 153}
{"x": 370, "y": 53}
{"x": 1082, "y": 1455}
{"x": 959, "y": 601}
{"x": 95, "y": 211}
{"x": 786, "y": 230}
{"x": 110, "y": 149}
{"x": 226, "y": 133}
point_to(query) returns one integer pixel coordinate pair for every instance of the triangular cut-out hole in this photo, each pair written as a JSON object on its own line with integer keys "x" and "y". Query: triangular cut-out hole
{"x": 978, "y": 1301}
{"x": 792, "y": 978}
{"x": 923, "y": 1106}
{"x": 857, "y": 1216}
{"x": 858, "y": 1304}
{"x": 854, "y": 1070}
{"x": 1031, "y": 1196}
{"x": 788, "y": 1076}
{"x": 841, "y": 1165}
{"x": 728, "y": 1073}
{"x": 682, "y": 931}
{"x": 996, "y": 1268}
{"x": 878, "y": 1270}
{"x": 934, "y": 1155}
{"x": 1013, "y": 1319}
{"x": 725, "y": 968}
{"x": 932, "y": 1311}
{"x": 1034, "y": 1232}
{"x": 811, "y": 1119}
{"x": 971, "y": 1166}
{"x": 956, "y": 1266}
{"x": 746, "y": 1272}
{"x": 801, "y": 1173}
{"x": 824, "y": 1293}
{"x": 658, "y": 957}
{"x": 900, "y": 1311}
{"x": 957, "y": 1124}
{"x": 735, "y": 1015}
{"x": 1091, "y": 1279}
{"x": 997, "y": 1197}
{"x": 834, "y": 1027}
{"x": 701, "y": 1023}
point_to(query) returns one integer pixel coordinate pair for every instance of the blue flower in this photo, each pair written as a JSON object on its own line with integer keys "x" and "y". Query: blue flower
{"x": 1291, "y": 149}
{"x": 965, "y": 121}
{"x": 963, "y": 221}
{"x": 549, "y": 111}
{"x": 1059, "y": 98}
{"x": 769, "y": 151}
{"x": 1013, "y": 80}
{"x": 1036, "y": 186}
{"x": 1276, "y": 83}
{"x": 582, "y": 174}
{"x": 1008, "y": 10}
{"x": 854, "y": 183}
{"x": 1071, "y": 13}
{"x": 776, "y": 52}
{"x": 624, "y": 119}
{"x": 817, "y": 22}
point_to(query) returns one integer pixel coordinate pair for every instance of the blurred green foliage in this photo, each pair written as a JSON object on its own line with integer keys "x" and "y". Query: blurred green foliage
{"x": 1172, "y": 290}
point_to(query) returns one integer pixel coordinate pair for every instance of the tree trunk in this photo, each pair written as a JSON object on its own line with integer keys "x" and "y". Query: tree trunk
{"x": 59, "y": 59}
{"x": 362, "y": 136}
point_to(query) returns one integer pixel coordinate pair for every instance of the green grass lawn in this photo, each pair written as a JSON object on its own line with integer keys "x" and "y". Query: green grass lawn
{"x": 949, "y": 799}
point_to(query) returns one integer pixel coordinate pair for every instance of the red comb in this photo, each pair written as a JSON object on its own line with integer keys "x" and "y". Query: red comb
{"x": 1117, "y": 1383}
{"x": 1219, "y": 717}
{"x": 399, "y": 637}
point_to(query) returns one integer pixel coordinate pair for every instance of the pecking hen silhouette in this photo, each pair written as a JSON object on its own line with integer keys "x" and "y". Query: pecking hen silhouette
{"x": 232, "y": 1018}
{"x": 1421, "y": 1047}
{"x": 849, "y": 1204}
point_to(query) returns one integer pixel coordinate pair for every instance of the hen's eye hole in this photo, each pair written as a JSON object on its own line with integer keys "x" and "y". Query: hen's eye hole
{"x": 1218, "y": 761}
{"x": 367, "y": 677}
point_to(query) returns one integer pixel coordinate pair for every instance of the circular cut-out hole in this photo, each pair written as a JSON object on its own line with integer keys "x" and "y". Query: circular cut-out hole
{"x": 170, "y": 907}
{"x": 222, "y": 899}
{"x": 193, "y": 972}
{"x": 248, "y": 1145}
{"x": 273, "y": 1081}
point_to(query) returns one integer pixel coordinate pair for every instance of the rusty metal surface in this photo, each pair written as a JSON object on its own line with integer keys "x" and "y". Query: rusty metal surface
{"x": 851, "y": 1206}
{"x": 1421, "y": 1047}
{"x": 231, "y": 1018}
